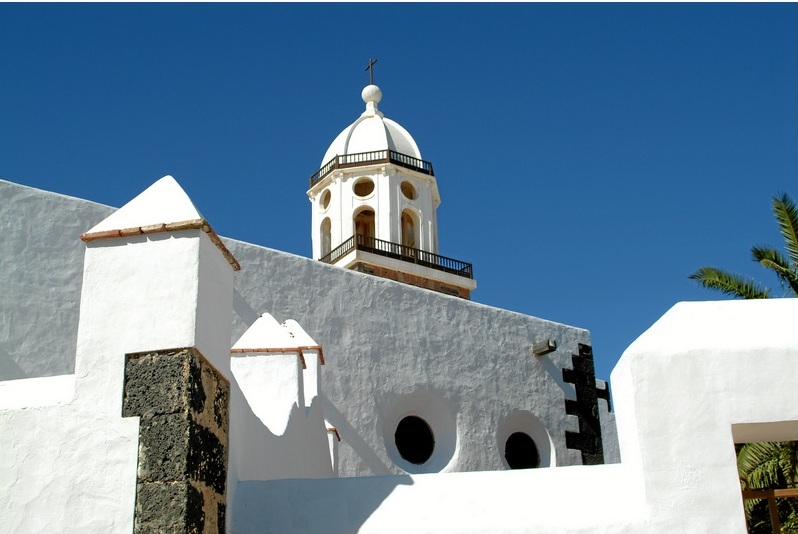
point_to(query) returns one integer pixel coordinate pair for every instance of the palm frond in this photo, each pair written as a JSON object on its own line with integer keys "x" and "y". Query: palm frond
{"x": 787, "y": 215}
{"x": 788, "y": 459}
{"x": 758, "y": 464}
{"x": 768, "y": 465}
{"x": 765, "y": 464}
{"x": 772, "y": 259}
{"x": 730, "y": 284}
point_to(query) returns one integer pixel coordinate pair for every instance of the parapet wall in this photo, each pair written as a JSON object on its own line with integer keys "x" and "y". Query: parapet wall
{"x": 705, "y": 375}
{"x": 385, "y": 342}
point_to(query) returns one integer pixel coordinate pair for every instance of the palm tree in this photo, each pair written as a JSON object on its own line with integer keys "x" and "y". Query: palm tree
{"x": 769, "y": 465}
{"x": 766, "y": 465}
{"x": 785, "y": 268}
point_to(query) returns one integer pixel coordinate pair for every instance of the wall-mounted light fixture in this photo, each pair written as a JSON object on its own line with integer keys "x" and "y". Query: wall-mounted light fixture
{"x": 544, "y": 347}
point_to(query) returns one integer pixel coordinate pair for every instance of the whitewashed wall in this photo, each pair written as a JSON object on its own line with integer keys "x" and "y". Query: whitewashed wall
{"x": 41, "y": 269}
{"x": 704, "y": 376}
{"x": 387, "y": 345}
{"x": 69, "y": 457}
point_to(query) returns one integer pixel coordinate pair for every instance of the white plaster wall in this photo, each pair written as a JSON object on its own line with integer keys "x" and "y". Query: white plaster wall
{"x": 311, "y": 381}
{"x": 272, "y": 384}
{"x": 682, "y": 386}
{"x": 67, "y": 469}
{"x": 289, "y": 437}
{"x": 35, "y": 392}
{"x": 71, "y": 466}
{"x": 384, "y": 341}
{"x": 702, "y": 371}
{"x": 300, "y": 450}
{"x": 700, "y": 374}
{"x": 572, "y": 500}
{"x": 144, "y": 297}
{"x": 41, "y": 272}
{"x": 214, "y": 306}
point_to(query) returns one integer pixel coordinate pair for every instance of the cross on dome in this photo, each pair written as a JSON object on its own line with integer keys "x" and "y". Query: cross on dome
{"x": 371, "y": 94}
{"x": 370, "y": 68}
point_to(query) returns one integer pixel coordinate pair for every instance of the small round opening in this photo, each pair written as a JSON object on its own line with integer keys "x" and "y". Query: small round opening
{"x": 520, "y": 452}
{"x": 408, "y": 190}
{"x": 325, "y": 199}
{"x": 414, "y": 439}
{"x": 363, "y": 187}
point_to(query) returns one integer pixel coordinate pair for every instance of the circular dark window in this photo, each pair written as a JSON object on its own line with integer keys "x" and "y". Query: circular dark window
{"x": 325, "y": 199}
{"x": 520, "y": 452}
{"x": 414, "y": 439}
{"x": 363, "y": 187}
{"x": 408, "y": 190}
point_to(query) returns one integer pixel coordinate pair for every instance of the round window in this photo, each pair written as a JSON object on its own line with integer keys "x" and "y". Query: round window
{"x": 521, "y": 452}
{"x": 325, "y": 199}
{"x": 363, "y": 187}
{"x": 408, "y": 190}
{"x": 414, "y": 440}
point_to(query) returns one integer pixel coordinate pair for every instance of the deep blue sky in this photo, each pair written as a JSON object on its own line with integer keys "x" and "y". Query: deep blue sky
{"x": 589, "y": 156}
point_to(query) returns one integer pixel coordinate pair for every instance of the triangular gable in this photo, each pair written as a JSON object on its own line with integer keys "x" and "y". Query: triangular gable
{"x": 163, "y": 202}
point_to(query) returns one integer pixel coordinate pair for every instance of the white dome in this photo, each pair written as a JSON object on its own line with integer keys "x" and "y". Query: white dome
{"x": 372, "y": 131}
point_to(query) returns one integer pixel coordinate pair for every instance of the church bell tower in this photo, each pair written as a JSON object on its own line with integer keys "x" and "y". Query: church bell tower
{"x": 374, "y": 206}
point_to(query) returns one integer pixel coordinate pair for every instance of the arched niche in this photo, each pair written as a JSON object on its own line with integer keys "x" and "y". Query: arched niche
{"x": 364, "y": 225}
{"x": 326, "y": 236}
{"x": 410, "y": 229}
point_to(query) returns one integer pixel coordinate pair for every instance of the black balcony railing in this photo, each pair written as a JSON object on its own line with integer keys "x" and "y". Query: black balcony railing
{"x": 399, "y": 252}
{"x": 368, "y": 158}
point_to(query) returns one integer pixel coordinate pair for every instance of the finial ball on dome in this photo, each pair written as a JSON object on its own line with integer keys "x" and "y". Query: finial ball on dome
{"x": 371, "y": 93}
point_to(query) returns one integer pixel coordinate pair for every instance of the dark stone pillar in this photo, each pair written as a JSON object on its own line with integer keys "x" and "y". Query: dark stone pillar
{"x": 583, "y": 376}
{"x": 182, "y": 467}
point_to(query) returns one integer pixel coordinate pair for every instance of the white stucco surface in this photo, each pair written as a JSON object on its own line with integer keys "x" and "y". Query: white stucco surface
{"x": 71, "y": 467}
{"x": 268, "y": 366}
{"x": 69, "y": 457}
{"x": 681, "y": 388}
{"x": 34, "y": 392}
{"x": 66, "y": 469}
{"x": 384, "y": 342}
{"x": 41, "y": 274}
{"x": 703, "y": 376}
{"x": 162, "y": 316}
{"x": 574, "y": 500}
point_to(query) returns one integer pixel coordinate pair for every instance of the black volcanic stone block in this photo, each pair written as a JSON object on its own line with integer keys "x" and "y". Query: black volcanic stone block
{"x": 164, "y": 447}
{"x": 181, "y": 462}
{"x": 156, "y": 384}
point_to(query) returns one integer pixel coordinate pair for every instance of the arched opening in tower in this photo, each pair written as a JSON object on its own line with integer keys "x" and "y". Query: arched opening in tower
{"x": 409, "y": 227}
{"x": 326, "y": 237}
{"x": 364, "y": 226}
